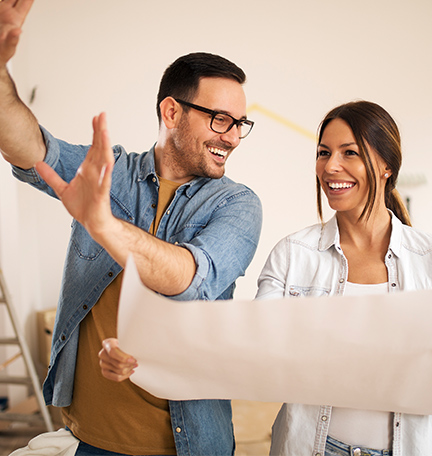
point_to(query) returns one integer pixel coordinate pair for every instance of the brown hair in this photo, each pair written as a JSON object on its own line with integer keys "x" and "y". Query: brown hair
{"x": 181, "y": 79}
{"x": 372, "y": 125}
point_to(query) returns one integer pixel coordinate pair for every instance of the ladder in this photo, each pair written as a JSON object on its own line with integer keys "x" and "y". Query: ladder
{"x": 31, "y": 380}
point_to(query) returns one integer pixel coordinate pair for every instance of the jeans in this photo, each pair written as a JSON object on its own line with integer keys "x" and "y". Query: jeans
{"x": 336, "y": 448}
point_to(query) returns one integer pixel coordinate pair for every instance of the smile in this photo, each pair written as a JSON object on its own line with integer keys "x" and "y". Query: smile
{"x": 339, "y": 185}
{"x": 216, "y": 151}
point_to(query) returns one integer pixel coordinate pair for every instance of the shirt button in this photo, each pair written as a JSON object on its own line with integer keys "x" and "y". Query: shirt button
{"x": 176, "y": 242}
{"x": 323, "y": 418}
{"x": 357, "y": 452}
{"x": 178, "y": 430}
{"x": 342, "y": 280}
{"x": 393, "y": 284}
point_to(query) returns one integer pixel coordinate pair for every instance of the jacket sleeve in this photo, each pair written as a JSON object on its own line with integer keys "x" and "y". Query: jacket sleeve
{"x": 224, "y": 248}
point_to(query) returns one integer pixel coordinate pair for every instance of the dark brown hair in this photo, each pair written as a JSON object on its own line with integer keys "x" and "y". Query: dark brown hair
{"x": 181, "y": 79}
{"x": 372, "y": 125}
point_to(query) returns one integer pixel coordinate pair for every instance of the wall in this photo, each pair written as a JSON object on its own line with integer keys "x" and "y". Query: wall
{"x": 302, "y": 58}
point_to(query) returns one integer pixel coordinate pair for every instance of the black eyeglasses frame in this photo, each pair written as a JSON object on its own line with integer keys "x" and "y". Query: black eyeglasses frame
{"x": 236, "y": 122}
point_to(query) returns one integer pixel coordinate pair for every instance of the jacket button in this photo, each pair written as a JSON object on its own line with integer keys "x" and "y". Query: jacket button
{"x": 110, "y": 274}
{"x": 178, "y": 430}
{"x": 63, "y": 337}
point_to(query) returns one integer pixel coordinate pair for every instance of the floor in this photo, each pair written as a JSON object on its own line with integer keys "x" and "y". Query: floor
{"x": 252, "y": 425}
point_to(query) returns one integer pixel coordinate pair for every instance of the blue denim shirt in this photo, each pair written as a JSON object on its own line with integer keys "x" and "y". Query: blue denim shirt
{"x": 218, "y": 220}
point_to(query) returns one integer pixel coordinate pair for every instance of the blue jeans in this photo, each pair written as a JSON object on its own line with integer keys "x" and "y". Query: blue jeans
{"x": 336, "y": 448}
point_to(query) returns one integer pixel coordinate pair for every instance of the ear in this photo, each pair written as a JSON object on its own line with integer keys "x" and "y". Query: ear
{"x": 170, "y": 112}
{"x": 387, "y": 172}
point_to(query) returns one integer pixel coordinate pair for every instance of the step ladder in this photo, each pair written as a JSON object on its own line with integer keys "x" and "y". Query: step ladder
{"x": 31, "y": 380}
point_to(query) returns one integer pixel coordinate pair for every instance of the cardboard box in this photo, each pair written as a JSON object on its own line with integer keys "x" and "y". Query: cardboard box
{"x": 45, "y": 322}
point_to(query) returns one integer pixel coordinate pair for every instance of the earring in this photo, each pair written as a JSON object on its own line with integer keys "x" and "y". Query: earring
{"x": 386, "y": 175}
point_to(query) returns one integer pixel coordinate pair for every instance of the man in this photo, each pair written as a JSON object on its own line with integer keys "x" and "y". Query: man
{"x": 191, "y": 231}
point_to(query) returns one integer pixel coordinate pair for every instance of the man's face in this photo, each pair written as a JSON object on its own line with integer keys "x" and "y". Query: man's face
{"x": 197, "y": 149}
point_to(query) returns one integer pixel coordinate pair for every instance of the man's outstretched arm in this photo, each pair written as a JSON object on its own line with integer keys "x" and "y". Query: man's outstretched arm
{"x": 163, "y": 267}
{"x": 21, "y": 141}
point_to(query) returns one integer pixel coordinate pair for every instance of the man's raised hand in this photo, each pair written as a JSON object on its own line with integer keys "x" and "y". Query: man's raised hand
{"x": 12, "y": 16}
{"x": 87, "y": 196}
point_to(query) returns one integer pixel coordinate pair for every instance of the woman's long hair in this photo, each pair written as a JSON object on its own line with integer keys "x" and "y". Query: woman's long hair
{"x": 372, "y": 125}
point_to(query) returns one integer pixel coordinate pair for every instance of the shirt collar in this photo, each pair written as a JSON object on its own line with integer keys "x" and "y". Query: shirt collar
{"x": 330, "y": 235}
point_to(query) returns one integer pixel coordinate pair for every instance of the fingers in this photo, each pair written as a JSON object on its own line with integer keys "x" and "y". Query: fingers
{"x": 22, "y": 6}
{"x": 115, "y": 364}
{"x": 12, "y": 16}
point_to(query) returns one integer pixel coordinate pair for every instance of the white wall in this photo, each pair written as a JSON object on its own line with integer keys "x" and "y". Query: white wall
{"x": 302, "y": 58}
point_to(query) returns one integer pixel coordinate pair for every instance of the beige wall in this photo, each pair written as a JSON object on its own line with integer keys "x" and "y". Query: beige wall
{"x": 302, "y": 58}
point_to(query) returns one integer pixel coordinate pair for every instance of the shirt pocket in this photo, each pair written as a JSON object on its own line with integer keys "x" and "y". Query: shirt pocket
{"x": 296, "y": 291}
{"x": 83, "y": 244}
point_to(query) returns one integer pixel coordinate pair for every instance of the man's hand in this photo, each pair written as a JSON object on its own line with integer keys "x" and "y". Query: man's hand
{"x": 115, "y": 364}
{"x": 12, "y": 16}
{"x": 87, "y": 196}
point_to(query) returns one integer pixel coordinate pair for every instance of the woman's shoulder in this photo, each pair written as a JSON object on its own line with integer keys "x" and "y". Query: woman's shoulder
{"x": 416, "y": 240}
{"x": 308, "y": 237}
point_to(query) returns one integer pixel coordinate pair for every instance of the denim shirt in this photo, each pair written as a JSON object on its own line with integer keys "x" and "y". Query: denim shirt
{"x": 218, "y": 220}
{"x": 311, "y": 263}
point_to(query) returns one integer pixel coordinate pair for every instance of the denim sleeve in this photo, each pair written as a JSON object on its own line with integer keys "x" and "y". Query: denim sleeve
{"x": 63, "y": 157}
{"x": 225, "y": 247}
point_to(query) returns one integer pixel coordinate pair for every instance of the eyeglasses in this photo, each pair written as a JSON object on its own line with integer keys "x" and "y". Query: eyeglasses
{"x": 222, "y": 123}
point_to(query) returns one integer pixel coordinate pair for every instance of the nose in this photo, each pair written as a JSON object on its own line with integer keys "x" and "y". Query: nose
{"x": 333, "y": 164}
{"x": 232, "y": 136}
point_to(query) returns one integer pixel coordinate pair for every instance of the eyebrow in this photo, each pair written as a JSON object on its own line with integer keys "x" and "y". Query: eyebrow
{"x": 342, "y": 145}
{"x": 221, "y": 111}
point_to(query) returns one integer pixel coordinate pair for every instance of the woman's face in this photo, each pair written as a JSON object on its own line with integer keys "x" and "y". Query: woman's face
{"x": 341, "y": 171}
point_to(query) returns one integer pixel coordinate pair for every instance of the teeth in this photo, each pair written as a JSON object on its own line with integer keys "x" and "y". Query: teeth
{"x": 335, "y": 185}
{"x": 216, "y": 151}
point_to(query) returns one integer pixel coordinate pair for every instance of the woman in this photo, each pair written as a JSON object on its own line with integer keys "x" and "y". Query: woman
{"x": 367, "y": 247}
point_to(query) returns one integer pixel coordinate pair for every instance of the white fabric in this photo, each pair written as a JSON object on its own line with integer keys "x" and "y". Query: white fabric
{"x": 59, "y": 443}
